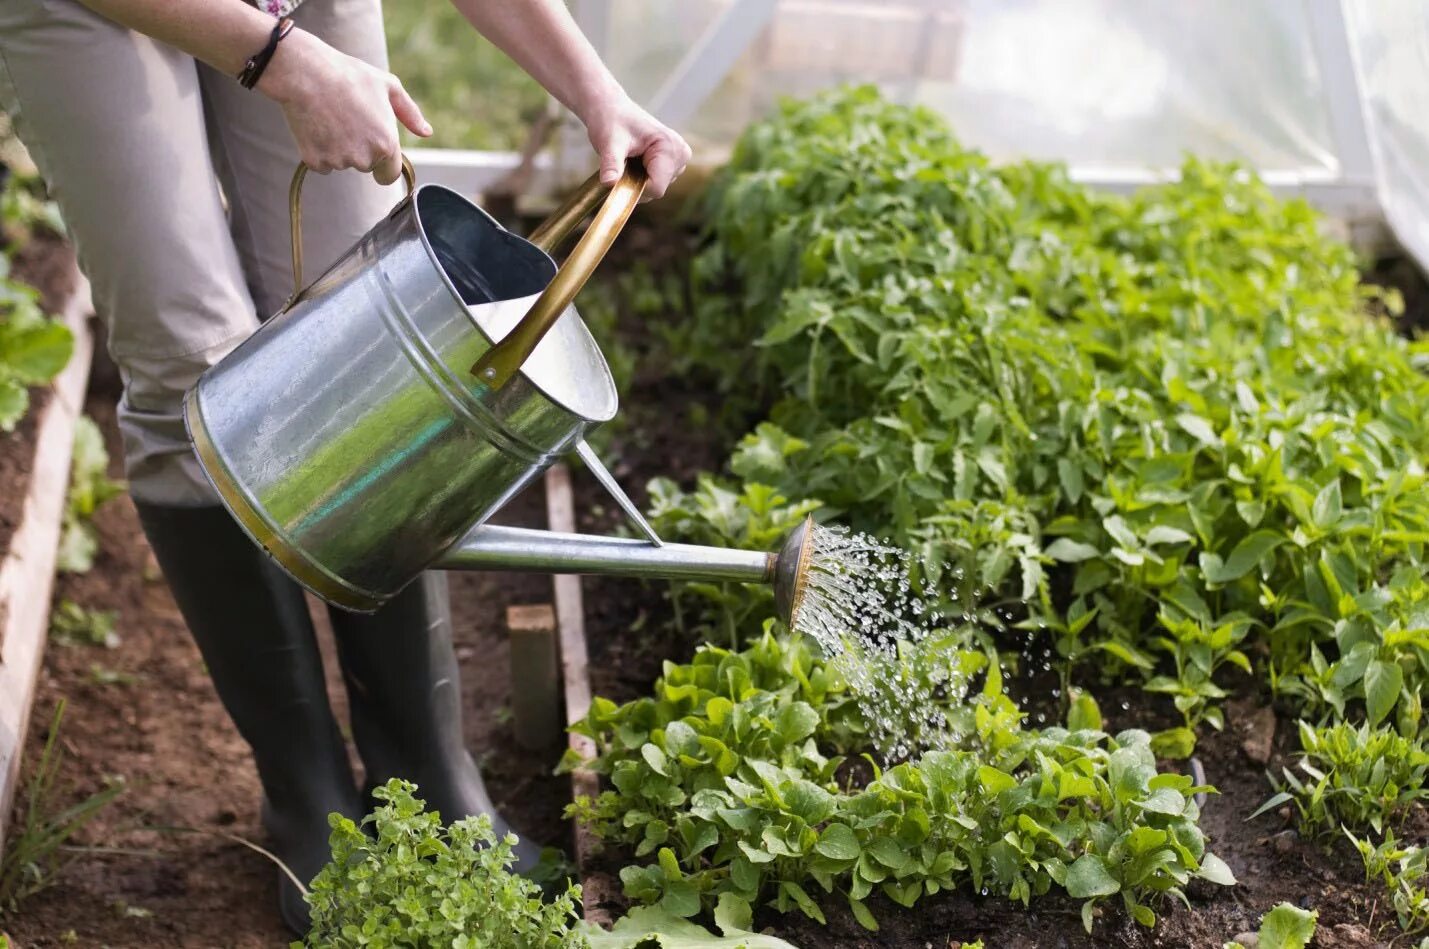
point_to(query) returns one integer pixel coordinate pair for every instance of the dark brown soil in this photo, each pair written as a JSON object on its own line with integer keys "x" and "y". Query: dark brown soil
{"x": 164, "y": 731}
{"x": 46, "y": 263}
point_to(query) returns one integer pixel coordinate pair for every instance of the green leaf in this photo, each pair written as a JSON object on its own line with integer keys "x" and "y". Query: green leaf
{"x": 1070, "y": 551}
{"x": 1175, "y": 743}
{"x": 1164, "y": 801}
{"x": 1287, "y": 927}
{"x": 1246, "y": 555}
{"x": 1089, "y": 877}
{"x": 733, "y": 913}
{"x": 1275, "y": 801}
{"x": 1382, "y": 684}
{"x": 796, "y": 721}
{"x": 1328, "y": 506}
{"x": 14, "y": 403}
{"x": 1162, "y": 534}
{"x": 1084, "y": 713}
{"x": 995, "y": 781}
{"x": 837, "y": 842}
{"x": 1214, "y": 869}
{"x": 1198, "y": 428}
{"x": 862, "y": 914}
{"x": 34, "y": 354}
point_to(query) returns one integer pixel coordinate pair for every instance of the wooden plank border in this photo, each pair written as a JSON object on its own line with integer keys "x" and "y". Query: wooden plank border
{"x": 575, "y": 673}
{"x": 27, "y": 573}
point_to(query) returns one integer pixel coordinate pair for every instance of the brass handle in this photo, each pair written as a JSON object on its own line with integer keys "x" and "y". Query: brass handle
{"x": 502, "y": 361}
{"x": 295, "y": 218}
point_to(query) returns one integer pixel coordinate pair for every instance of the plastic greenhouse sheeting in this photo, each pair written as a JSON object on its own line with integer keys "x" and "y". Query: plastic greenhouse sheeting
{"x": 1391, "y": 38}
{"x": 1123, "y": 87}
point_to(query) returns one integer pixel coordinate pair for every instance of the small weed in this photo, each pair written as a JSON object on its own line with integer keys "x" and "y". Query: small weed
{"x": 32, "y": 858}
{"x": 75, "y": 625}
{"x": 103, "y": 675}
{"x": 126, "y": 911}
{"x": 1353, "y": 776}
{"x": 89, "y": 487}
{"x": 1402, "y": 870}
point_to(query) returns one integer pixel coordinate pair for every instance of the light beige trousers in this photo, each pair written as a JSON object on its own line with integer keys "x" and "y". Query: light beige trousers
{"x": 135, "y": 140}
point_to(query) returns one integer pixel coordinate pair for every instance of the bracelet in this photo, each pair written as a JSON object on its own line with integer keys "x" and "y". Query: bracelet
{"x": 253, "y": 69}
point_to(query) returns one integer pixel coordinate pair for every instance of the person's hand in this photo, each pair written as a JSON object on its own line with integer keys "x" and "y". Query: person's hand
{"x": 342, "y": 111}
{"x": 620, "y": 129}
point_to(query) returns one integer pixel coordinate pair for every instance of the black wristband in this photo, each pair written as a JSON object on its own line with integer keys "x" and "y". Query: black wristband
{"x": 253, "y": 69}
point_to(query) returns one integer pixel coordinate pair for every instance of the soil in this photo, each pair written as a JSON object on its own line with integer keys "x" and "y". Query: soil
{"x": 46, "y": 263}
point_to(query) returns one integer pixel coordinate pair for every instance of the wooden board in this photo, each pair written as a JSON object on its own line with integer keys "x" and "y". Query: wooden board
{"x": 28, "y": 571}
{"x": 535, "y": 675}
{"x": 570, "y": 618}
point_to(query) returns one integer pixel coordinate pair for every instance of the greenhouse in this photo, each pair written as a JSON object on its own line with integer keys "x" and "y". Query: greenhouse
{"x": 778, "y": 474}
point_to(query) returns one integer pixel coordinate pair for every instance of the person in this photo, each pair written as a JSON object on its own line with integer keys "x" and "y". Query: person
{"x": 172, "y": 178}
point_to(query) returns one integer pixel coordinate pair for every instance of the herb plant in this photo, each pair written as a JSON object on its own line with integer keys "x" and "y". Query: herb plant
{"x": 407, "y": 881}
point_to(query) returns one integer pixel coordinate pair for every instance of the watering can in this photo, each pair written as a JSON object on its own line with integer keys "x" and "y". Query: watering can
{"x": 368, "y": 431}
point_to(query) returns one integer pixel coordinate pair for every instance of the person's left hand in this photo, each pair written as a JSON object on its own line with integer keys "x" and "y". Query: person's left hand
{"x": 620, "y": 129}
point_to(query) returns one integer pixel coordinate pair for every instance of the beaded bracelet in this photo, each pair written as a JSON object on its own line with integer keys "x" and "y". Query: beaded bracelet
{"x": 253, "y": 69}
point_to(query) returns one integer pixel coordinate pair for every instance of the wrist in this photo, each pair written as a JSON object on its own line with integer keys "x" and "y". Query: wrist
{"x": 286, "y": 75}
{"x": 599, "y": 101}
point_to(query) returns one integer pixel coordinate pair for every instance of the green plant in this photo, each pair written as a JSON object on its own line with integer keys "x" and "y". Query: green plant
{"x": 34, "y": 855}
{"x": 1402, "y": 869}
{"x": 407, "y": 881}
{"x": 1155, "y": 429}
{"x": 1284, "y": 927}
{"x": 734, "y": 776}
{"x": 74, "y": 625}
{"x": 89, "y": 487}
{"x": 33, "y": 348}
{"x": 1354, "y": 777}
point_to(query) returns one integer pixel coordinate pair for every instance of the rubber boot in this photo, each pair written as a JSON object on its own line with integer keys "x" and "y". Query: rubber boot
{"x": 252, "y": 626}
{"x": 404, "y": 695}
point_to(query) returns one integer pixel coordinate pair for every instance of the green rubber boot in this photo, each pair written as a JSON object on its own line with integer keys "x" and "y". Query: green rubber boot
{"x": 252, "y": 626}
{"x": 404, "y": 693}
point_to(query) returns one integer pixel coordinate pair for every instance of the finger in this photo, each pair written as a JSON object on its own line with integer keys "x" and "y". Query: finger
{"x": 407, "y": 110}
{"x": 660, "y": 165}
{"x": 612, "y": 158}
{"x": 388, "y": 169}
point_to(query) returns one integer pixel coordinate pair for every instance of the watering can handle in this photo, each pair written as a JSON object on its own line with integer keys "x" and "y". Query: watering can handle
{"x": 499, "y": 363}
{"x": 295, "y": 218}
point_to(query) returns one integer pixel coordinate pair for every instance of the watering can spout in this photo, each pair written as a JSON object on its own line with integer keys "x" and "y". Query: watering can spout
{"x": 493, "y": 547}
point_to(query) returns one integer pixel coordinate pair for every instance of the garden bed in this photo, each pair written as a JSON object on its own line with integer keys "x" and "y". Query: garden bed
{"x": 34, "y": 463}
{"x": 666, "y": 431}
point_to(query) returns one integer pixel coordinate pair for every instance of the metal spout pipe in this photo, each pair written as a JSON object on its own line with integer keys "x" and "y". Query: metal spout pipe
{"x": 492, "y": 547}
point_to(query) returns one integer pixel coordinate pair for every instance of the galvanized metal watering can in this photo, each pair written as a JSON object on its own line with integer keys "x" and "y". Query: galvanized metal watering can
{"x": 367, "y": 431}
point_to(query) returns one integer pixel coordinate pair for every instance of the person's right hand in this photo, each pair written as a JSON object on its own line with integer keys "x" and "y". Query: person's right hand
{"x": 342, "y": 111}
